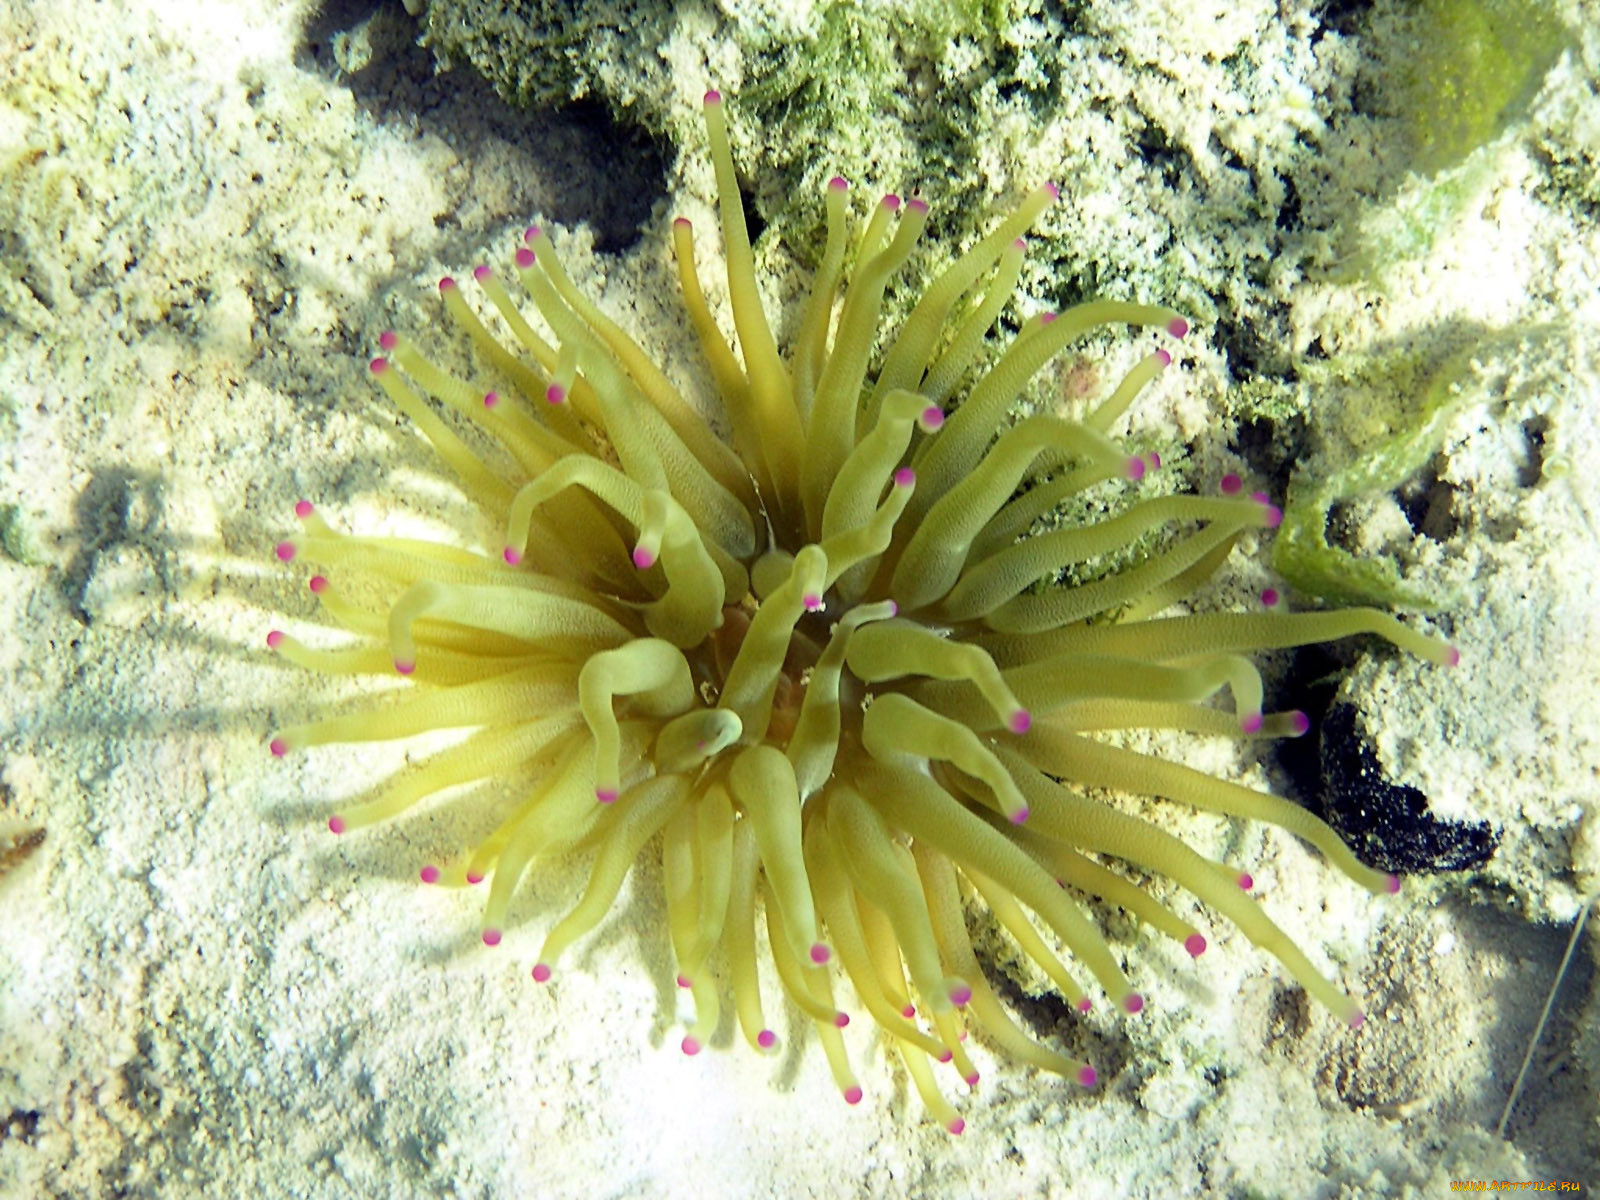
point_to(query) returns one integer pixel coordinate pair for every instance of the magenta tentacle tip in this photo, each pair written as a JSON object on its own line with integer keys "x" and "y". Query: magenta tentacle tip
{"x": 491, "y": 937}
{"x": 1252, "y": 722}
{"x": 1299, "y": 723}
{"x": 905, "y": 477}
{"x": 1270, "y": 597}
{"x": 946, "y": 1056}
{"x": 891, "y": 202}
{"x": 1048, "y": 318}
{"x": 917, "y": 204}
{"x": 1452, "y": 656}
{"x": 685, "y": 982}
{"x": 713, "y": 96}
{"x": 474, "y": 878}
{"x": 766, "y": 1039}
{"x": 532, "y": 234}
{"x": 1055, "y": 192}
{"x": 541, "y": 973}
{"x": 1178, "y": 327}
{"x": 274, "y": 639}
{"x": 812, "y": 602}
{"x": 682, "y": 223}
{"x": 490, "y": 399}
{"x": 378, "y": 366}
{"x": 429, "y": 873}
{"x": 285, "y": 551}
{"x": 852, "y": 1095}
{"x": 605, "y": 795}
{"x": 1274, "y": 516}
{"x": 318, "y": 584}
{"x": 512, "y": 555}
{"x": 404, "y": 666}
{"x": 932, "y": 417}
{"x": 1021, "y": 815}
{"x": 1246, "y": 881}
{"x": 961, "y": 995}
{"x": 957, "y": 1127}
{"x": 1135, "y": 469}
{"x": 841, "y": 1020}
{"x": 839, "y": 183}
{"x": 909, "y": 1011}
{"x": 691, "y": 1046}
{"x": 643, "y": 559}
{"x": 388, "y": 339}
{"x": 820, "y": 953}
{"x": 1020, "y": 721}
{"x": 1357, "y": 1019}
{"x": 1231, "y": 484}
{"x": 1087, "y": 1076}
{"x": 278, "y": 747}
{"x": 1134, "y": 1003}
{"x": 1261, "y": 497}
{"x": 1394, "y": 885}
{"x": 555, "y": 394}
{"x": 971, "y": 1080}
{"x": 1085, "y": 1005}
{"x": 303, "y": 509}
{"x": 894, "y": 609}
{"x": 1163, "y": 358}
{"x": 525, "y": 258}
{"x": 447, "y": 283}
{"x": 482, "y": 271}
{"x": 1195, "y": 945}
{"x": 336, "y": 824}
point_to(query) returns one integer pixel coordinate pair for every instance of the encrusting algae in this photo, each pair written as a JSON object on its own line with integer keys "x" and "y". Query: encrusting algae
{"x": 815, "y": 662}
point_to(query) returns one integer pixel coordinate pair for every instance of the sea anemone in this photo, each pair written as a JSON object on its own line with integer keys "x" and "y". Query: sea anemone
{"x": 829, "y": 664}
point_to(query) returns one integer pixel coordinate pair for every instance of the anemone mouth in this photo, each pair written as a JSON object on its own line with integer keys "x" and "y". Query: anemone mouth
{"x": 849, "y": 732}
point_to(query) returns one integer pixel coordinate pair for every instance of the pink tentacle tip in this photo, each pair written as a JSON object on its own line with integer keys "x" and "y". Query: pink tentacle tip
{"x": 404, "y": 666}
{"x": 891, "y": 202}
{"x": 1055, "y": 192}
{"x": 685, "y": 982}
{"x": 429, "y": 873}
{"x": 1163, "y": 358}
{"x": 691, "y": 1046}
{"x": 1252, "y": 722}
{"x": 491, "y": 937}
{"x": 1299, "y": 723}
{"x": 1394, "y": 885}
{"x": 1021, "y": 816}
{"x": 1357, "y": 1019}
{"x": 905, "y": 477}
{"x": 447, "y": 283}
{"x": 971, "y": 1080}
{"x": 278, "y": 747}
{"x": 285, "y": 551}
{"x": 490, "y": 399}
{"x": 512, "y": 555}
{"x": 474, "y": 878}
{"x": 1178, "y": 327}
{"x": 555, "y": 394}
{"x": 1246, "y": 881}
{"x": 811, "y": 602}
{"x": 1274, "y": 516}
{"x": 917, "y": 204}
{"x": 1270, "y": 597}
{"x": 1261, "y": 497}
{"x": 1231, "y": 484}
{"x": 841, "y": 1020}
{"x": 1020, "y": 721}
{"x": 957, "y": 1127}
{"x": 532, "y": 234}
{"x": 946, "y": 1056}
{"x": 932, "y": 417}
{"x": 1195, "y": 945}
{"x": 713, "y": 97}
{"x": 1133, "y": 1003}
{"x": 525, "y": 258}
{"x": 839, "y": 183}
{"x": 274, "y": 639}
{"x": 1085, "y": 1005}
{"x": 1048, "y": 318}
{"x": 1087, "y": 1076}
{"x": 388, "y": 339}
{"x": 1135, "y": 469}
{"x": 318, "y": 584}
{"x": 961, "y": 995}
{"x": 894, "y": 609}
{"x": 909, "y": 1011}
{"x": 482, "y": 271}
{"x": 605, "y": 795}
{"x": 766, "y": 1039}
{"x": 682, "y": 223}
{"x": 1452, "y": 656}
{"x": 541, "y": 973}
{"x": 820, "y": 954}
{"x": 336, "y": 824}
{"x": 303, "y": 509}
{"x": 643, "y": 559}
{"x": 378, "y": 366}
{"x": 852, "y": 1094}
